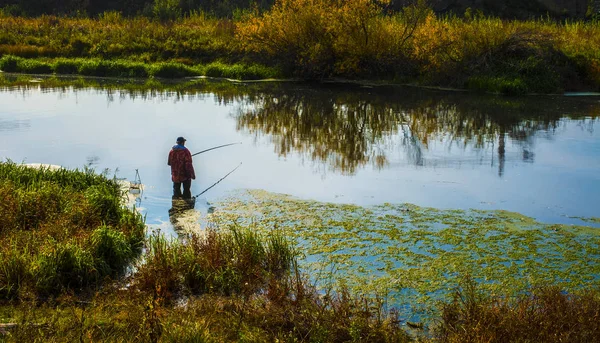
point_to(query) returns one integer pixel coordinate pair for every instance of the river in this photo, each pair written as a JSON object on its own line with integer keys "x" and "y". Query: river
{"x": 401, "y": 190}
{"x": 539, "y": 156}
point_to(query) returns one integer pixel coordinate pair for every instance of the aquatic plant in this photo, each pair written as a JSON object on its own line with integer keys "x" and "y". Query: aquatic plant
{"x": 415, "y": 255}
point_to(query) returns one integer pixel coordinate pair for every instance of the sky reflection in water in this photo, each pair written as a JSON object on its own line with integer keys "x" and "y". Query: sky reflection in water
{"x": 538, "y": 155}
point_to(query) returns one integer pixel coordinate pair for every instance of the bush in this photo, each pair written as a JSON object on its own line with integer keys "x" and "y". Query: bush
{"x": 231, "y": 261}
{"x": 9, "y": 63}
{"x": 107, "y": 68}
{"x": 29, "y": 66}
{"x": 104, "y": 201}
{"x": 47, "y": 217}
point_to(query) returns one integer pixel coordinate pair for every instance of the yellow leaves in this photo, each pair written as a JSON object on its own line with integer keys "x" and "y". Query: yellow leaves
{"x": 312, "y": 33}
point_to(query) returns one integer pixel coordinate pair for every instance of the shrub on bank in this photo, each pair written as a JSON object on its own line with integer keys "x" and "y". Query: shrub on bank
{"x": 319, "y": 38}
{"x": 67, "y": 66}
{"x": 9, "y": 63}
{"x": 239, "y": 71}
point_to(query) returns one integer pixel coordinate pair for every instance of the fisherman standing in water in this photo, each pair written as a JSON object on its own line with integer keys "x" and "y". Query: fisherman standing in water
{"x": 182, "y": 170}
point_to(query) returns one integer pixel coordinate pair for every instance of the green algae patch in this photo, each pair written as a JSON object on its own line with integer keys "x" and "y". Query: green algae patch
{"x": 590, "y": 219}
{"x": 416, "y": 255}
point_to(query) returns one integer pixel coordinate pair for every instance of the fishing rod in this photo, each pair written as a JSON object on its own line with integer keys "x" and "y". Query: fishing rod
{"x": 217, "y": 147}
{"x": 221, "y": 179}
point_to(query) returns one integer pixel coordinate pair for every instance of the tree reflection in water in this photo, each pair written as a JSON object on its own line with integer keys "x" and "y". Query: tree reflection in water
{"x": 350, "y": 129}
{"x": 347, "y": 127}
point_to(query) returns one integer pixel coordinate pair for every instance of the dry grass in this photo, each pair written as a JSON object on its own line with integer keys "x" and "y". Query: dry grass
{"x": 543, "y": 315}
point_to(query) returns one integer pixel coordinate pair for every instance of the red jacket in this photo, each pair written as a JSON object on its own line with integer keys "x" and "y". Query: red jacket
{"x": 180, "y": 160}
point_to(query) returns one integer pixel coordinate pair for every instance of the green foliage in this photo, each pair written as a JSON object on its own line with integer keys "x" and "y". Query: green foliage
{"x": 9, "y": 63}
{"x": 105, "y": 202}
{"x": 497, "y": 85}
{"x": 239, "y": 71}
{"x": 172, "y": 70}
{"x": 112, "y": 68}
{"x": 52, "y": 234}
{"x": 166, "y": 10}
{"x": 34, "y": 67}
{"x": 64, "y": 267}
{"x": 234, "y": 261}
{"x": 14, "y": 271}
{"x": 67, "y": 66}
{"x": 132, "y": 225}
{"x": 112, "y": 250}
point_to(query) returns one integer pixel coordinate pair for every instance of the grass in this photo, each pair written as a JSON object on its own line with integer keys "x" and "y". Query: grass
{"x": 128, "y": 69}
{"x": 541, "y": 315}
{"x": 65, "y": 233}
{"x": 301, "y": 38}
{"x": 232, "y": 261}
{"x": 66, "y": 238}
{"x": 62, "y": 231}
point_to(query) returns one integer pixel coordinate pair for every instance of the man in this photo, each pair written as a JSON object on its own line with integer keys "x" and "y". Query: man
{"x": 182, "y": 170}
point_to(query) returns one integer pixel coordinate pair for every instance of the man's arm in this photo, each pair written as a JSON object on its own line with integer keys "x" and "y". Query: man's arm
{"x": 170, "y": 157}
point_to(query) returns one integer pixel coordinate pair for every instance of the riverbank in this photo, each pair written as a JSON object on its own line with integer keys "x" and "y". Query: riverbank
{"x": 231, "y": 284}
{"x": 412, "y": 46}
{"x": 72, "y": 266}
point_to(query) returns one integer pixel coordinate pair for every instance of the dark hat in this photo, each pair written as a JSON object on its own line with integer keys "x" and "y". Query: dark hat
{"x": 180, "y": 139}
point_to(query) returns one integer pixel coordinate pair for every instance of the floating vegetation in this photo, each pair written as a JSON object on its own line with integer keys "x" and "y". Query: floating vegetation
{"x": 590, "y": 219}
{"x": 414, "y": 255}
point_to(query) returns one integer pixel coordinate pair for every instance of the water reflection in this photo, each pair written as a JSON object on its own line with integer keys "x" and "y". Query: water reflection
{"x": 182, "y": 215}
{"x": 348, "y": 130}
{"x": 434, "y": 149}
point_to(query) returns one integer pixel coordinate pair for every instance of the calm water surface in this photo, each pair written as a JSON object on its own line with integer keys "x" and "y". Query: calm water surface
{"x": 539, "y": 156}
